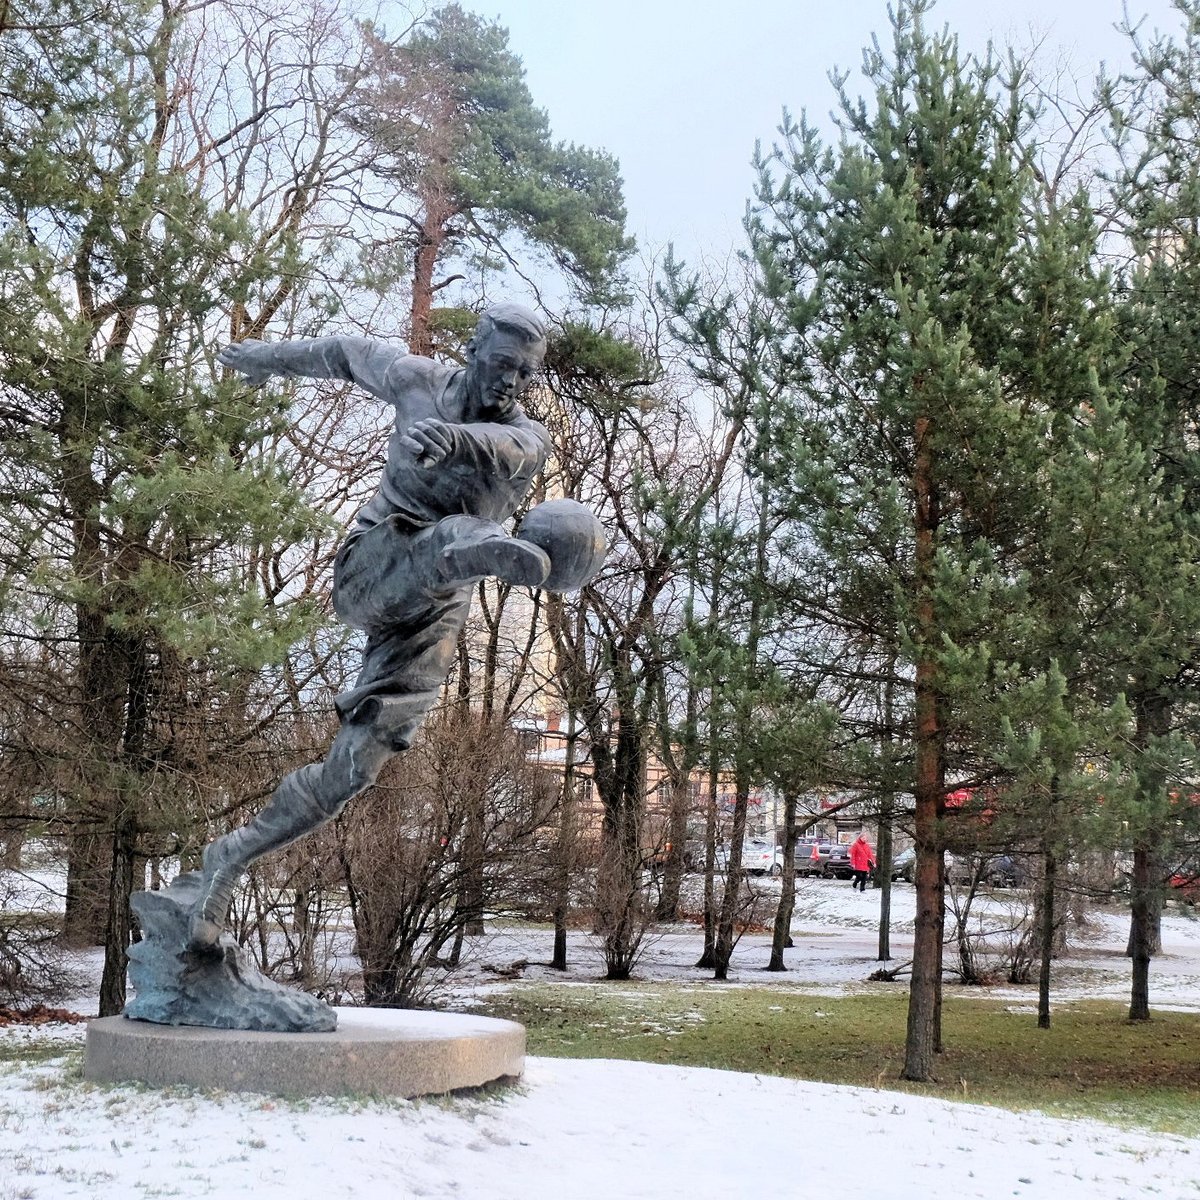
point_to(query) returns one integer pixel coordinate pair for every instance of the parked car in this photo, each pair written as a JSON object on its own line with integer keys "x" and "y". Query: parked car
{"x": 977, "y": 870}
{"x": 904, "y": 865}
{"x": 1005, "y": 870}
{"x": 760, "y": 858}
{"x": 964, "y": 869}
{"x": 1002, "y": 870}
{"x": 837, "y": 863}
{"x": 811, "y": 856}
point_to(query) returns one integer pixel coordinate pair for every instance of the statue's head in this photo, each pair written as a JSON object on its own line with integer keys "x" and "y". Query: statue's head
{"x": 504, "y": 354}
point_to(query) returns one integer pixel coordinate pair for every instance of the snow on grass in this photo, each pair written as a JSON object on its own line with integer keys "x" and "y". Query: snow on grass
{"x": 571, "y": 1128}
{"x": 597, "y": 1128}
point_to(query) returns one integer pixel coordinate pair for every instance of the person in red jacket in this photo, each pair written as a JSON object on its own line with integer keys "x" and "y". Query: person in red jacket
{"x": 862, "y": 859}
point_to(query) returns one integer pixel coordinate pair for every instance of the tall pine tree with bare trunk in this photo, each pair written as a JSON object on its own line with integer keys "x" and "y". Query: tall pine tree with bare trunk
{"x": 941, "y": 373}
{"x": 457, "y": 131}
{"x": 1155, "y": 113}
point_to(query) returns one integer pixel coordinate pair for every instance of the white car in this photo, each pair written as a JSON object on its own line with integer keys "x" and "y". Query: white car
{"x": 758, "y": 857}
{"x": 762, "y": 858}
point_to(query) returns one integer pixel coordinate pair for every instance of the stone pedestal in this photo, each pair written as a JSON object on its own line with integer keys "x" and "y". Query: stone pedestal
{"x": 373, "y": 1052}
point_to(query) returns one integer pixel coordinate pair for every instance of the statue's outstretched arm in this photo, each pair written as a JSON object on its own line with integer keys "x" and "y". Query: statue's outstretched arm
{"x": 359, "y": 360}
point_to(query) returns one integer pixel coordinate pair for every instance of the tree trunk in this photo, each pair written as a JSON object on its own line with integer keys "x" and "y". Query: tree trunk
{"x": 429, "y": 248}
{"x": 104, "y": 689}
{"x": 419, "y": 339}
{"x": 680, "y": 750}
{"x": 677, "y": 822}
{"x": 1152, "y": 921}
{"x": 1140, "y": 934}
{"x": 1153, "y": 720}
{"x": 1047, "y": 917}
{"x": 621, "y": 780}
{"x": 883, "y": 876}
{"x": 781, "y": 934}
{"x": 923, "y": 1039}
{"x": 708, "y": 955}
{"x": 12, "y": 839}
{"x": 1049, "y": 880}
{"x": 567, "y": 821}
{"x": 305, "y": 929}
{"x": 885, "y": 846}
{"x": 558, "y": 957}
{"x": 473, "y": 854}
{"x": 101, "y": 683}
{"x": 723, "y": 946}
{"x": 89, "y": 865}
{"x": 119, "y": 926}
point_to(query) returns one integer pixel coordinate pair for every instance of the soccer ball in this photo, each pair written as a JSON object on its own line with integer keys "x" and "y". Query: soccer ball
{"x": 573, "y": 538}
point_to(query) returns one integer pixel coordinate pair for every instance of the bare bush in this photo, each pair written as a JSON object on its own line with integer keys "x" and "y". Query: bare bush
{"x": 292, "y": 915}
{"x": 625, "y": 907}
{"x": 33, "y": 969}
{"x": 991, "y": 941}
{"x": 409, "y": 851}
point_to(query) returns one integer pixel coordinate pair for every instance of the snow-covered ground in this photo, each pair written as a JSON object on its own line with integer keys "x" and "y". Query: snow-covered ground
{"x": 573, "y": 1128}
{"x": 836, "y": 935}
{"x": 603, "y": 1128}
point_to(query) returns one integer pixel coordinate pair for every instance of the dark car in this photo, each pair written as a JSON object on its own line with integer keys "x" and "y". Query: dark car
{"x": 964, "y": 870}
{"x": 1005, "y": 870}
{"x": 904, "y": 865}
{"x": 811, "y": 856}
{"x": 837, "y": 864}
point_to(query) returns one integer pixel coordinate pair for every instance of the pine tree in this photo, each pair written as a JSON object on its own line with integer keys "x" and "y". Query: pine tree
{"x": 139, "y": 485}
{"x": 1156, "y": 120}
{"x": 456, "y": 127}
{"x": 948, "y": 369}
{"x": 891, "y": 259}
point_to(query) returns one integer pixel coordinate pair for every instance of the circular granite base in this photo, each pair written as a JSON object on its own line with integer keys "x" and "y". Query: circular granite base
{"x": 373, "y": 1051}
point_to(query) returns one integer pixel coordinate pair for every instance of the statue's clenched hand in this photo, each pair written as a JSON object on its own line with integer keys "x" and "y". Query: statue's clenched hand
{"x": 430, "y": 441}
{"x": 250, "y": 359}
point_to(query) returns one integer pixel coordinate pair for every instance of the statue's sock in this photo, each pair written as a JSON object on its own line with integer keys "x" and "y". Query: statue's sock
{"x": 294, "y": 810}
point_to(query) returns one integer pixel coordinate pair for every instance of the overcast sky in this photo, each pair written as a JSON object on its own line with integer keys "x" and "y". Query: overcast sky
{"x": 678, "y": 90}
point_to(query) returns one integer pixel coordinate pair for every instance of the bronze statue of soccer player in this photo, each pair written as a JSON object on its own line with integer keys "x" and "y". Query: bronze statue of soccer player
{"x": 461, "y": 459}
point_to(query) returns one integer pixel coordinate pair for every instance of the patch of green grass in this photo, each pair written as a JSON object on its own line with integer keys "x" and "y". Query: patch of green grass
{"x": 37, "y": 1050}
{"x": 1091, "y": 1062}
